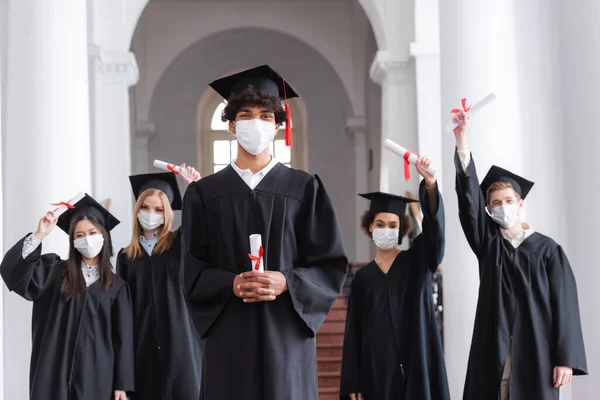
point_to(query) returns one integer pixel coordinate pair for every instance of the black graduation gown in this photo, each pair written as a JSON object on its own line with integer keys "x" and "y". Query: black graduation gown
{"x": 392, "y": 345}
{"x": 267, "y": 350}
{"x": 168, "y": 350}
{"x": 82, "y": 348}
{"x": 527, "y": 295}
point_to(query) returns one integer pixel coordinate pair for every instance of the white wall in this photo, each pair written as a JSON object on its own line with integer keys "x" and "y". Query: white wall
{"x": 579, "y": 38}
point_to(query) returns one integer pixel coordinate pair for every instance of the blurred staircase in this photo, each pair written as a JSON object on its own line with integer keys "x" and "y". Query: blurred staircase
{"x": 330, "y": 340}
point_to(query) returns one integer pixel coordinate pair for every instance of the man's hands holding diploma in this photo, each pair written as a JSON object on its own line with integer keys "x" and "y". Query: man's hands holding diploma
{"x": 259, "y": 286}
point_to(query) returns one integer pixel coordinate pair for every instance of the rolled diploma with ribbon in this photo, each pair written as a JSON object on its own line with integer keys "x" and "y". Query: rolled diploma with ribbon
{"x": 475, "y": 108}
{"x": 255, "y": 252}
{"x": 62, "y": 207}
{"x": 402, "y": 152}
{"x": 176, "y": 169}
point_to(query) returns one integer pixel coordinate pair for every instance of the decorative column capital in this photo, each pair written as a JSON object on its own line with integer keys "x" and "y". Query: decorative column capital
{"x": 388, "y": 67}
{"x": 356, "y": 127}
{"x": 121, "y": 65}
{"x": 145, "y": 130}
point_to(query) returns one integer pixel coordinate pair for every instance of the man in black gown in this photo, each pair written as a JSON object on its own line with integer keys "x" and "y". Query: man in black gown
{"x": 527, "y": 340}
{"x": 260, "y": 327}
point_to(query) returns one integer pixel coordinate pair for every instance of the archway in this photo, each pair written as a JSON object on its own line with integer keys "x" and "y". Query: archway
{"x": 174, "y": 105}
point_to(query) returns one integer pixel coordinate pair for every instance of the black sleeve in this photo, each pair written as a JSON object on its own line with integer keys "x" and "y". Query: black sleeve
{"x": 351, "y": 358}
{"x": 317, "y": 279}
{"x": 430, "y": 244}
{"x": 471, "y": 206}
{"x": 122, "y": 265}
{"x": 29, "y": 277}
{"x": 122, "y": 340}
{"x": 206, "y": 287}
{"x": 569, "y": 350}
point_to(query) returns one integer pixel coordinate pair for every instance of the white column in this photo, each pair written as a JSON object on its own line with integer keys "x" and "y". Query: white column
{"x": 398, "y": 120}
{"x": 3, "y": 50}
{"x": 47, "y": 144}
{"x": 144, "y": 133}
{"x": 426, "y": 51}
{"x": 580, "y": 57}
{"x": 357, "y": 128}
{"x": 111, "y": 76}
{"x": 477, "y": 56}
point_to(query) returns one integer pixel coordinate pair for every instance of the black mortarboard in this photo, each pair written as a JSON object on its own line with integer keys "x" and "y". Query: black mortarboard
{"x": 496, "y": 174}
{"x": 166, "y": 182}
{"x": 89, "y": 207}
{"x": 260, "y": 78}
{"x": 387, "y": 203}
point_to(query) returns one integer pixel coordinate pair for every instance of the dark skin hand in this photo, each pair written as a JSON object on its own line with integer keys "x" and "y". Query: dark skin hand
{"x": 254, "y": 287}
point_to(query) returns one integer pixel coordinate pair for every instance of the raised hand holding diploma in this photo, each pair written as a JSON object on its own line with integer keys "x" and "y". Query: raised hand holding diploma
{"x": 409, "y": 157}
{"x": 471, "y": 110}
{"x": 45, "y": 226}
{"x": 461, "y": 120}
{"x": 176, "y": 169}
{"x": 423, "y": 166}
{"x": 64, "y": 206}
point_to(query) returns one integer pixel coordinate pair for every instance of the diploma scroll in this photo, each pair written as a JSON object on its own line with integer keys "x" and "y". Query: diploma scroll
{"x": 256, "y": 253}
{"x": 176, "y": 169}
{"x": 475, "y": 108}
{"x": 402, "y": 152}
{"x": 63, "y": 207}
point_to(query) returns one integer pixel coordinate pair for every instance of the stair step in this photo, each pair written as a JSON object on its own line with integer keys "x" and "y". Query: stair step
{"x": 329, "y": 379}
{"x": 333, "y": 327}
{"x": 336, "y": 315}
{"x": 329, "y": 350}
{"x": 330, "y": 359}
{"x": 329, "y": 364}
{"x": 328, "y": 396}
{"x": 339, "y": 303}
{"x": 336, "y": 338}
{"x": 329, "y": 390}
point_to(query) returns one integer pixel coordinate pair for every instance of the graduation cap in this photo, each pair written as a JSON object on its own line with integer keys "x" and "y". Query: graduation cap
{"x": 89, "y": 207}
{"x": 496, "y": 174}
{"x": 388, "y": 203}
{"x": 262, "y": 78}
{"x": 166, "y": 182}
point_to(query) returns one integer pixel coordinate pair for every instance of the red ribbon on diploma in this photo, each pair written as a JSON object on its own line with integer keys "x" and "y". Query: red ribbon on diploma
{"x": 62, "y": 203}
{"x": 464, "y": 106}
{"x": 407, "y": 165}
{"x": 172, "y": 169}
{"x": 257, "y": 258}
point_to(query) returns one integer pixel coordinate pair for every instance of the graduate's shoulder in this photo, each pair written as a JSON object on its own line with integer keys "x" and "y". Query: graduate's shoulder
{"x": 118, "y": 284}
{"x": 541, "y": 245}
{"x": 366, "y": 272}
{"x": 295, "y": 182}
{"x": 216, "y": 185}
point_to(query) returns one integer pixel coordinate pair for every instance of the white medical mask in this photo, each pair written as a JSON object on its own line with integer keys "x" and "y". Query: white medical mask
{"x": 149, "y": 221}
{"x": 386, "y": 238}
{"x": 89, "y": 246}
{"x": 505, "y": 215}
{"x": 254, "y": 135}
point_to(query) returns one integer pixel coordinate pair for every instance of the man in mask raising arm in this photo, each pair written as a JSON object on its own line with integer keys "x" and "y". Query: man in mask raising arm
{"x": 527, "y": 340}
{"x": 260, "y": 326}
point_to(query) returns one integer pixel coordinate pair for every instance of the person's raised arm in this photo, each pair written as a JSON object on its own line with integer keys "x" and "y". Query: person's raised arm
{"x": 471, "y": 201}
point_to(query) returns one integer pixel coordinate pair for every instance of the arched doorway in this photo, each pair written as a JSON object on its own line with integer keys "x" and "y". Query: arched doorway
{"x": 182, "y": 95}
